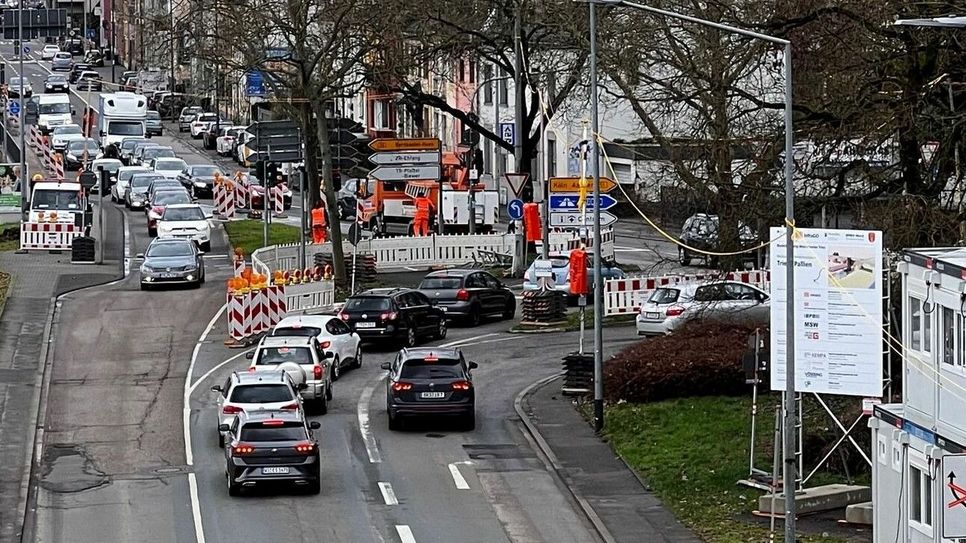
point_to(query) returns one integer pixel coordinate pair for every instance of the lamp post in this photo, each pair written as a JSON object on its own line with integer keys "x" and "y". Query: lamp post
{"x": 788, "y": 441}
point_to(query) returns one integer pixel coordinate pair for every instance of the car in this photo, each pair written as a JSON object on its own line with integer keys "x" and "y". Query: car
{"x": 19, "y": 86}
{"x": 187, "y": 115}
{"x": 157, "y": 151}
{"x": 124, "y": 174}
{"x": 127, "y": 147}
{"x": 48, "y": 52}
{"x": 168, "y": 166}
{"x": 668, "y": 308}
{"x": 394, "y": 313}
{"x": 61, "y": 134}
{"x": 303, "y": 360}
{"x": 88, "y": 81}
{"x": 347, "y": 207}
{"x": 330, "y": 333}
{"x": 94, "y": 57}
{"x": 209, "y": 136}
{"x": 110, "y": 167}
{"x": 61, "y": 62}
{"x": 700, "y": 231}
{"x": 560, "y": 265}
{"x": 76, "y": 69}
{"x": 225, "y": 142}
{"x": 138, "y": 150}
{"x": 79, "y": 153}
{"x": 153, "y": 125}
{"x": 161, "y": 200}
{"x": 199, "y": 178}
{"x": 254, "y": 391}
{"x": 200, "y": 123}
{"x": 56, "y": 83}
{"x": 271, "y": 447}
{"x": 256, "y": 190}
{"x": 160, "y": 183}
{"x": 238, "y": 153}
{"x": 171, "y": 261}
{"x": 136, "y": 195}
{"x": 185, "y": 221}
{"x": 468, "y": 295}
{"x": 429, "y": 382}
{"x": 75, "y": 47}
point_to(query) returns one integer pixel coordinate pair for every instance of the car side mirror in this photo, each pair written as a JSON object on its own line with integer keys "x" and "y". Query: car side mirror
{"x": 386, "y": 366}
{"x": 216, "y": 388}
{"x": 139, "y": 256}
{"x": 250, "y": 355}
{"x": 224, "y": 428}
{"x": 315, "y": 425}
{"x": 474, "y": 365}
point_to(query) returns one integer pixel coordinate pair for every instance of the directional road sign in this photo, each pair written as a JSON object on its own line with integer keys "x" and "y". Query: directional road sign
{"x": 412, "y": 144}
{"x": 406, "y": 173}
{"x": 568, "y": 202}
{"x": 405, "y": 157}
{"x": 953, "y": 479}
{"x": 272, "y": 128}
{"x": 516, "y": 181}
{"x": 508, "y": 132}
{"x": 572, "y": 184}
{"x": 14, "y": 107}
{"x": 515, "y": 209}
{"x": 570, "y": 218}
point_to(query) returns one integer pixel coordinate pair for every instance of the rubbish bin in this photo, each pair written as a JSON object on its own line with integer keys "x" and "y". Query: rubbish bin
{"x": 82, "y": 249}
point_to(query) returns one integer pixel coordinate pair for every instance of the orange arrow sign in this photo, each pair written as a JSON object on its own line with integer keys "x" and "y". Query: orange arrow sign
{"x": 412, "y": 144}
{"x": 572, "y": 184}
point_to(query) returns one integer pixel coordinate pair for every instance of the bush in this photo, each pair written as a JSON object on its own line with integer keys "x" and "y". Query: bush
{"x": 700, "y": 359}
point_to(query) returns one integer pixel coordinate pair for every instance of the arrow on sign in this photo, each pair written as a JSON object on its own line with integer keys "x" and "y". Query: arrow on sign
{"x": 960, "y": 498}
{"x": 568, "y": 202}
{"x": 406, "y": 173}
{"x": 405, "y": 157}
{"x": 569, "y": 218}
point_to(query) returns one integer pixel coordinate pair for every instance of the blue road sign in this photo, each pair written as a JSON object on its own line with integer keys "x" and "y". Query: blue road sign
{"x": 508, "y": 132}
{"x": 26, "y": 50}
{"x": 254, "y": 83}
{"x": 568, "y": 202}
{"x": 515, "y": 209}
{"x": 14, "y": 107}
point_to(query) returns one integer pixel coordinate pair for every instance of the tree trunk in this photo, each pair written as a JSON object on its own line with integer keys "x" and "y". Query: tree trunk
{"x": 328, "y": 188}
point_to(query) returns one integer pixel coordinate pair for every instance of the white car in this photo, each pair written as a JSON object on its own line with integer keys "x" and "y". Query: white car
{"x": 668, "y": 308}
{"x": 61, "y": 135}
{"x": 48, "y": 52}
{"x": 301, "y": 358}
{"x": 332, "y": 335}
{"x": 186, "y": 221}
{"x": 200, "y": 123}
{"x": 110, "y": 166}
{"x": 255, "y": 391}
{"x": 225, "y": 143}
{"x": 124, "y": 173}
{"x": 169, "y": 167}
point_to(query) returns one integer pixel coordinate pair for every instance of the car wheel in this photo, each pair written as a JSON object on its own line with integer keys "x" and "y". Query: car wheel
{"x": 441, "y": 329}
{"x": 221, "y": 441}
{"x": 683, "y": 256}
{"x": 233, "y": 489}
{"x": 469, "y": 422}
{"x": 328, "y": 392}
{"x": 395, "y": 422}
{"x": 357, "y": 361}
{"x": 474, "y": 317}
{"x": 510, "y": 311}
{"x": 410, "y": 335}
{"x": 336, "y": 370}
{"x": 322, "y": 406}
{"x": 315, "y": 487}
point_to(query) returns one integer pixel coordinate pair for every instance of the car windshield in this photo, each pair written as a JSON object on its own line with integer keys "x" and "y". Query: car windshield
{"x": 422, "y": 369}
{"x": 264, "y": 393}
{"x": 60, "y": 107}
{"x": 441, "y": 283}
{"x": 70, "y": 129}
{"x": 90, "y": 75}
{"x": 16, "y": 81}
{"x": 168, "y": 198}
{"x": 192, "y": 110}
{"x": 206, "y": 117}
{"x": 158, "y": 152}
{"x": 56, "y": 199}
{"x": 109, "y": 165}
{"x": 367, "y": 303}
{"x": 303, "y": 331}
{"x": 80, "y": 146}
{"x": 184, "y": 214}
{"x": 56, "y": 79}
{"x": 170, "y": 249}
{"x": 125, "y": 128}
{"x": 62, "y": 56}
{"x": 169, "y": 164}
{"x": 205, "y": 171}
{"x": 664, "y": 296}
{"x": 270, "y": 356}
{"x": 289, "y": 431}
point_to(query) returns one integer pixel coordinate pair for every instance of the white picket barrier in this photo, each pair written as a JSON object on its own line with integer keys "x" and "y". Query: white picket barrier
{"x": 316, "y": 295}
{"x": 625, "y": 296}
{"x": 48, "y": 236}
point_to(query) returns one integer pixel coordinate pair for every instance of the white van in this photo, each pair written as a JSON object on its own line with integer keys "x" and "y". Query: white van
{"x": 57, "y": 202}
{"x": 53, "y": 110}
{"x": 122, "y": 115}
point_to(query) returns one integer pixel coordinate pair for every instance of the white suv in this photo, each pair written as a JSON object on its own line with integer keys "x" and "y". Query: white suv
{"x": 302, "y": 359}
{"x": 255, "y": 391}
{"x": 186, "y": 221}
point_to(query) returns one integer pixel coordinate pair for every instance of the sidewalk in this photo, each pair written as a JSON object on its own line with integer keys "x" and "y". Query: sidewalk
{"x": 611, "y": 495}
{"x": 25, "y": 327}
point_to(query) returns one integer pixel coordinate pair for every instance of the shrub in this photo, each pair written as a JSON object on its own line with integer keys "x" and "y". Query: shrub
{"x": 700, "y": 359}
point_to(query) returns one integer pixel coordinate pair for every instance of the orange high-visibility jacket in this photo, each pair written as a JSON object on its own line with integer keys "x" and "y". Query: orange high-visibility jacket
{"x": 318, "y": 217}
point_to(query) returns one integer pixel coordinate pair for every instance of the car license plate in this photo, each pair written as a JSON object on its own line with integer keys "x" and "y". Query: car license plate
{"x": 365, "y": 325}
{"x": 652, "y": 315}
{"x": 444, "y": 308}
{"x": 167, "y": 275}
{"x": 275, "y": 471}
{"x": 432, "y": 395}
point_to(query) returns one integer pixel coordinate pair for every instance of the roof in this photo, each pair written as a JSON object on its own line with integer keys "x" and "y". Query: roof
{"x": 251, "y": 377}
{"x": 423, "y": 352}
{"x": 949, "y": 261}
{"x": 53, "y": 185}
{"x": 460, "y": 272}
{"x": 305, "y": 320}
{"x": 285, "y": 341}
{"x": 263, "y": 415}
{"x": 381, "y": 292}
{"x": 184, "y": 206}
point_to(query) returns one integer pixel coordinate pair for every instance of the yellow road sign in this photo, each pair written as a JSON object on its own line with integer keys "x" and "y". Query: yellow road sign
{"x": 411, "y": 144}
{"x": 572, "y": 184}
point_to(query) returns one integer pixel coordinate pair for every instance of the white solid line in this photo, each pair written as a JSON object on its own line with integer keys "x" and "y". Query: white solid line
{"x": 196, "y": 508}
{"x": 499, "y": 340}
{"x": 362, "y": 409}
{"x": 216, "y": 368}
{"x": 461, "y": 483}
{"x": 465, "y": 340}
{"x": 388, "y": 494}
{"x": 405, "y": 534}
{"x": 410, "y": 269}
{"x": 127, "y": 245}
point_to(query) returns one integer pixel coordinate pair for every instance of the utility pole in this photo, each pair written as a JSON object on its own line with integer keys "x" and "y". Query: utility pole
{"x": 519, "y": 97}
{"x": 22, "y": 114}
{"x": 598, "y": 284}
{"x": 545, "y": 169}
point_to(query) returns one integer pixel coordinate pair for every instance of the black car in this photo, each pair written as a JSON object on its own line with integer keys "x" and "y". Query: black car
{"x": 469, "y": 295}
{"x": 199, "y": 178}
{"x": 271, "y": 447}
{"x": 56, "y": 83}
{"x": 75, "y": 47}
{"x": 347, "y": 207}
{"x": 430, "y": 381}
{"x": 94, "y": 57}
{"x": 76, "y": 70}
{"x": 172, "y": 261}
{"x": 700, "y": 231}
{"x": 395, "y": 314}
{"x": 209, "y": 137}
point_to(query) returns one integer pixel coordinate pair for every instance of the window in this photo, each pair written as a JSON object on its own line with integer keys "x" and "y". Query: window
{"x": 262, "y": 394}
{"x": 486, "y": 76}
{"x": 551, "y": 157}
{"x": 488, "y": 156}
{"x": 503, "y": 92}
{"x": 491, "y": 281}
{"x": 920, "y": 499}
{"x": 915, "y": 323}
{"x": 475, "y": 281}
{"x": 337, "y": 327}
{"x": 462, "y": 64}
{"x": 949, "y": 336}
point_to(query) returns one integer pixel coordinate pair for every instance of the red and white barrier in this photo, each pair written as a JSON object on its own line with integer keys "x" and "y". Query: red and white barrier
{"x": 625, "y": 296}
{"x": 241, "y": 196}
{"x": 278, "y": 193}
{"x": 48, "y": 236}
{"x": 224, "y": 200}
{"x": 239, "y": 266}
{"x": 275, "y": 298}
{"x": 256, "y": 311}
{"x": 259, "y": 304}
{"x": 239, "y": 316}
{"x": 58, "y": 169}
{"x": 34, "y": 137}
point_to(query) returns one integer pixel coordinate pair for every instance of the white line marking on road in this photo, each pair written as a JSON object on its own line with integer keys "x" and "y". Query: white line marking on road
{"x": 127, "y": 245}
{"x": 405, "y": 534}
{"x": 465, "y": 340}
{"x": 196, "y": 508}
{"x": 216, "y": 368}
{"x": 410, "y": 269}
{"x": 500, "y": 340}
{"x": 454, "y": 470}
{"x": 388, "y": 495}
{"x": 372, "y": 449}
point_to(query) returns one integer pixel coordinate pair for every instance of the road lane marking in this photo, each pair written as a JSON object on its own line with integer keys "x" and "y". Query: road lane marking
{"x": 216, "y": 368}
{"x": 127, "y": 244}
{"x": 454, "y": 470}
{"x": 388, "y": 494}
{"x": 362, "y": 408}
{"x": 464, "y": 340}
{"x": 405, "y": 534}
{"x": 498, "y": 340}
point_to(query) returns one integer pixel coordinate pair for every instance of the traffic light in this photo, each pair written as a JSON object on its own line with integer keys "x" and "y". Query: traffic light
{"x": 260, "y": 169}
{"x": 272, "y": 174}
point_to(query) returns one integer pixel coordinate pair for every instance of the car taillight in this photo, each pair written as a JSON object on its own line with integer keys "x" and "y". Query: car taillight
{"x": 325, "y": 344}
{"x": 389, "y": 316}
{"x": 294, "y": 406}
{"x": 400, "y": 386}
{"x": 462, "y": 385}
{"x": 674, "y": 311}
{"x": 344, "y": 316}
{"x": 317, "y": 371}
{"x": 305, "y": 447}
{"x": 463, "y": 295}
{"x": 242, "y": 448}
{"x": 231, "y": 410}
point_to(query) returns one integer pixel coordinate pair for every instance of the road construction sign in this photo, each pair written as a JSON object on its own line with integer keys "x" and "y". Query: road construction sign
{"x": 572, "y": 184}
{"x": 953, "y": 477}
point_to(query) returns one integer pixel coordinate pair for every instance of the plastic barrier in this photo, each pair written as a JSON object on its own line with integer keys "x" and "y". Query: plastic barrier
{"x": 278, "y": 193}
{"x": 623, "y": 296}
{"x": 48, "y": 236}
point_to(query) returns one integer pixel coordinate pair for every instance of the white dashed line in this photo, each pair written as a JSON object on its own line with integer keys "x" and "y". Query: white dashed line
{"x": 388, "y": 495}
{"x": 362, "y": 409}
{"x": 454, "y": 470}
{"x": 405, "y": 534}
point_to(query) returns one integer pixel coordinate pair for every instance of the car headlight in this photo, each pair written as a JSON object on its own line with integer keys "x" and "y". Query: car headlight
{"x": 200, "y": 184}
{"x": 145, "y": 268}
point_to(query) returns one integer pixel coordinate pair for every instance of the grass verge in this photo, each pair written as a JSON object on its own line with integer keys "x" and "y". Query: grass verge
{"x": 9, "y": 237}
{"x": 248, "y": 234}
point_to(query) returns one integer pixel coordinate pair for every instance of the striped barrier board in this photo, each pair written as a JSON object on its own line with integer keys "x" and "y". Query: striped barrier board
{"x": 239, "y": 316}
{"x": 241, "y": 196}
{"x": 279, "y": 196}
{"x": 48, "y": 236}
{"x": 626, "y": 296}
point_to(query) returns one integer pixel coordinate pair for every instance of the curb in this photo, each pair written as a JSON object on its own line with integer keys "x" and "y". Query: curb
{"x": 544, "y": 447}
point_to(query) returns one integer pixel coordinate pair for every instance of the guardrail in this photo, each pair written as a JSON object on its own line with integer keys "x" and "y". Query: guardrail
{"x": 625, "y": 296}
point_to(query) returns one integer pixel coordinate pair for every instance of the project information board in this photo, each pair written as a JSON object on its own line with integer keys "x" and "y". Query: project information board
{"x": 838, "y": 311}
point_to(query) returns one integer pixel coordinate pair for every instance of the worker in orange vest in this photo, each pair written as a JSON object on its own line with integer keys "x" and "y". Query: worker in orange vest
{"x": 318, "y": 224}
{"x": 421, "y": 221}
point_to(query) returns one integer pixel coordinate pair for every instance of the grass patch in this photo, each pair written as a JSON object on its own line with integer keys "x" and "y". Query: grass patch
{"x": 691, "y": 452}
{"x": 248, "y": 234}
{"x": 9, "y": 237}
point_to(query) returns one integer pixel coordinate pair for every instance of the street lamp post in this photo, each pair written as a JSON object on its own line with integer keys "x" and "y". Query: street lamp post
{"x": 788, "y": 441}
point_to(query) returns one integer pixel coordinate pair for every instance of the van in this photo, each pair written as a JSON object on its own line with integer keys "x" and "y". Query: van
{"x": 59, "y": 202}
{"x": 122, "y": 115}
{"x": 53, "y": 110}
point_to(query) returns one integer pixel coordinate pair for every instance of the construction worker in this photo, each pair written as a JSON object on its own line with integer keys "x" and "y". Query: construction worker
{"x": 319, "y": 231}
{"x": 424, "y": 207}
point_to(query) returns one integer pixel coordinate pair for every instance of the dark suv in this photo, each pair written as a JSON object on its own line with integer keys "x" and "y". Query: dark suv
{"x": 271, "y": 447}
{"x": 430, "y": 381}
{"x": 394, "y": 313}
{"x": 700, "y": 231}
{"x": 469, "y": 295}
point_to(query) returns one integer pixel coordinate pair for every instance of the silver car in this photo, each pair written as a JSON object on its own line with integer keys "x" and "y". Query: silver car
{"x": 136, "y": 195}
{"x": 172, "y": 261}
{"x": 669, "y": 308}
{"x": 61, "y": 61}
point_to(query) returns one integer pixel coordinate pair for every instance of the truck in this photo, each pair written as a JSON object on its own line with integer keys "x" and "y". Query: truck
{"x": 122, "y": 115}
